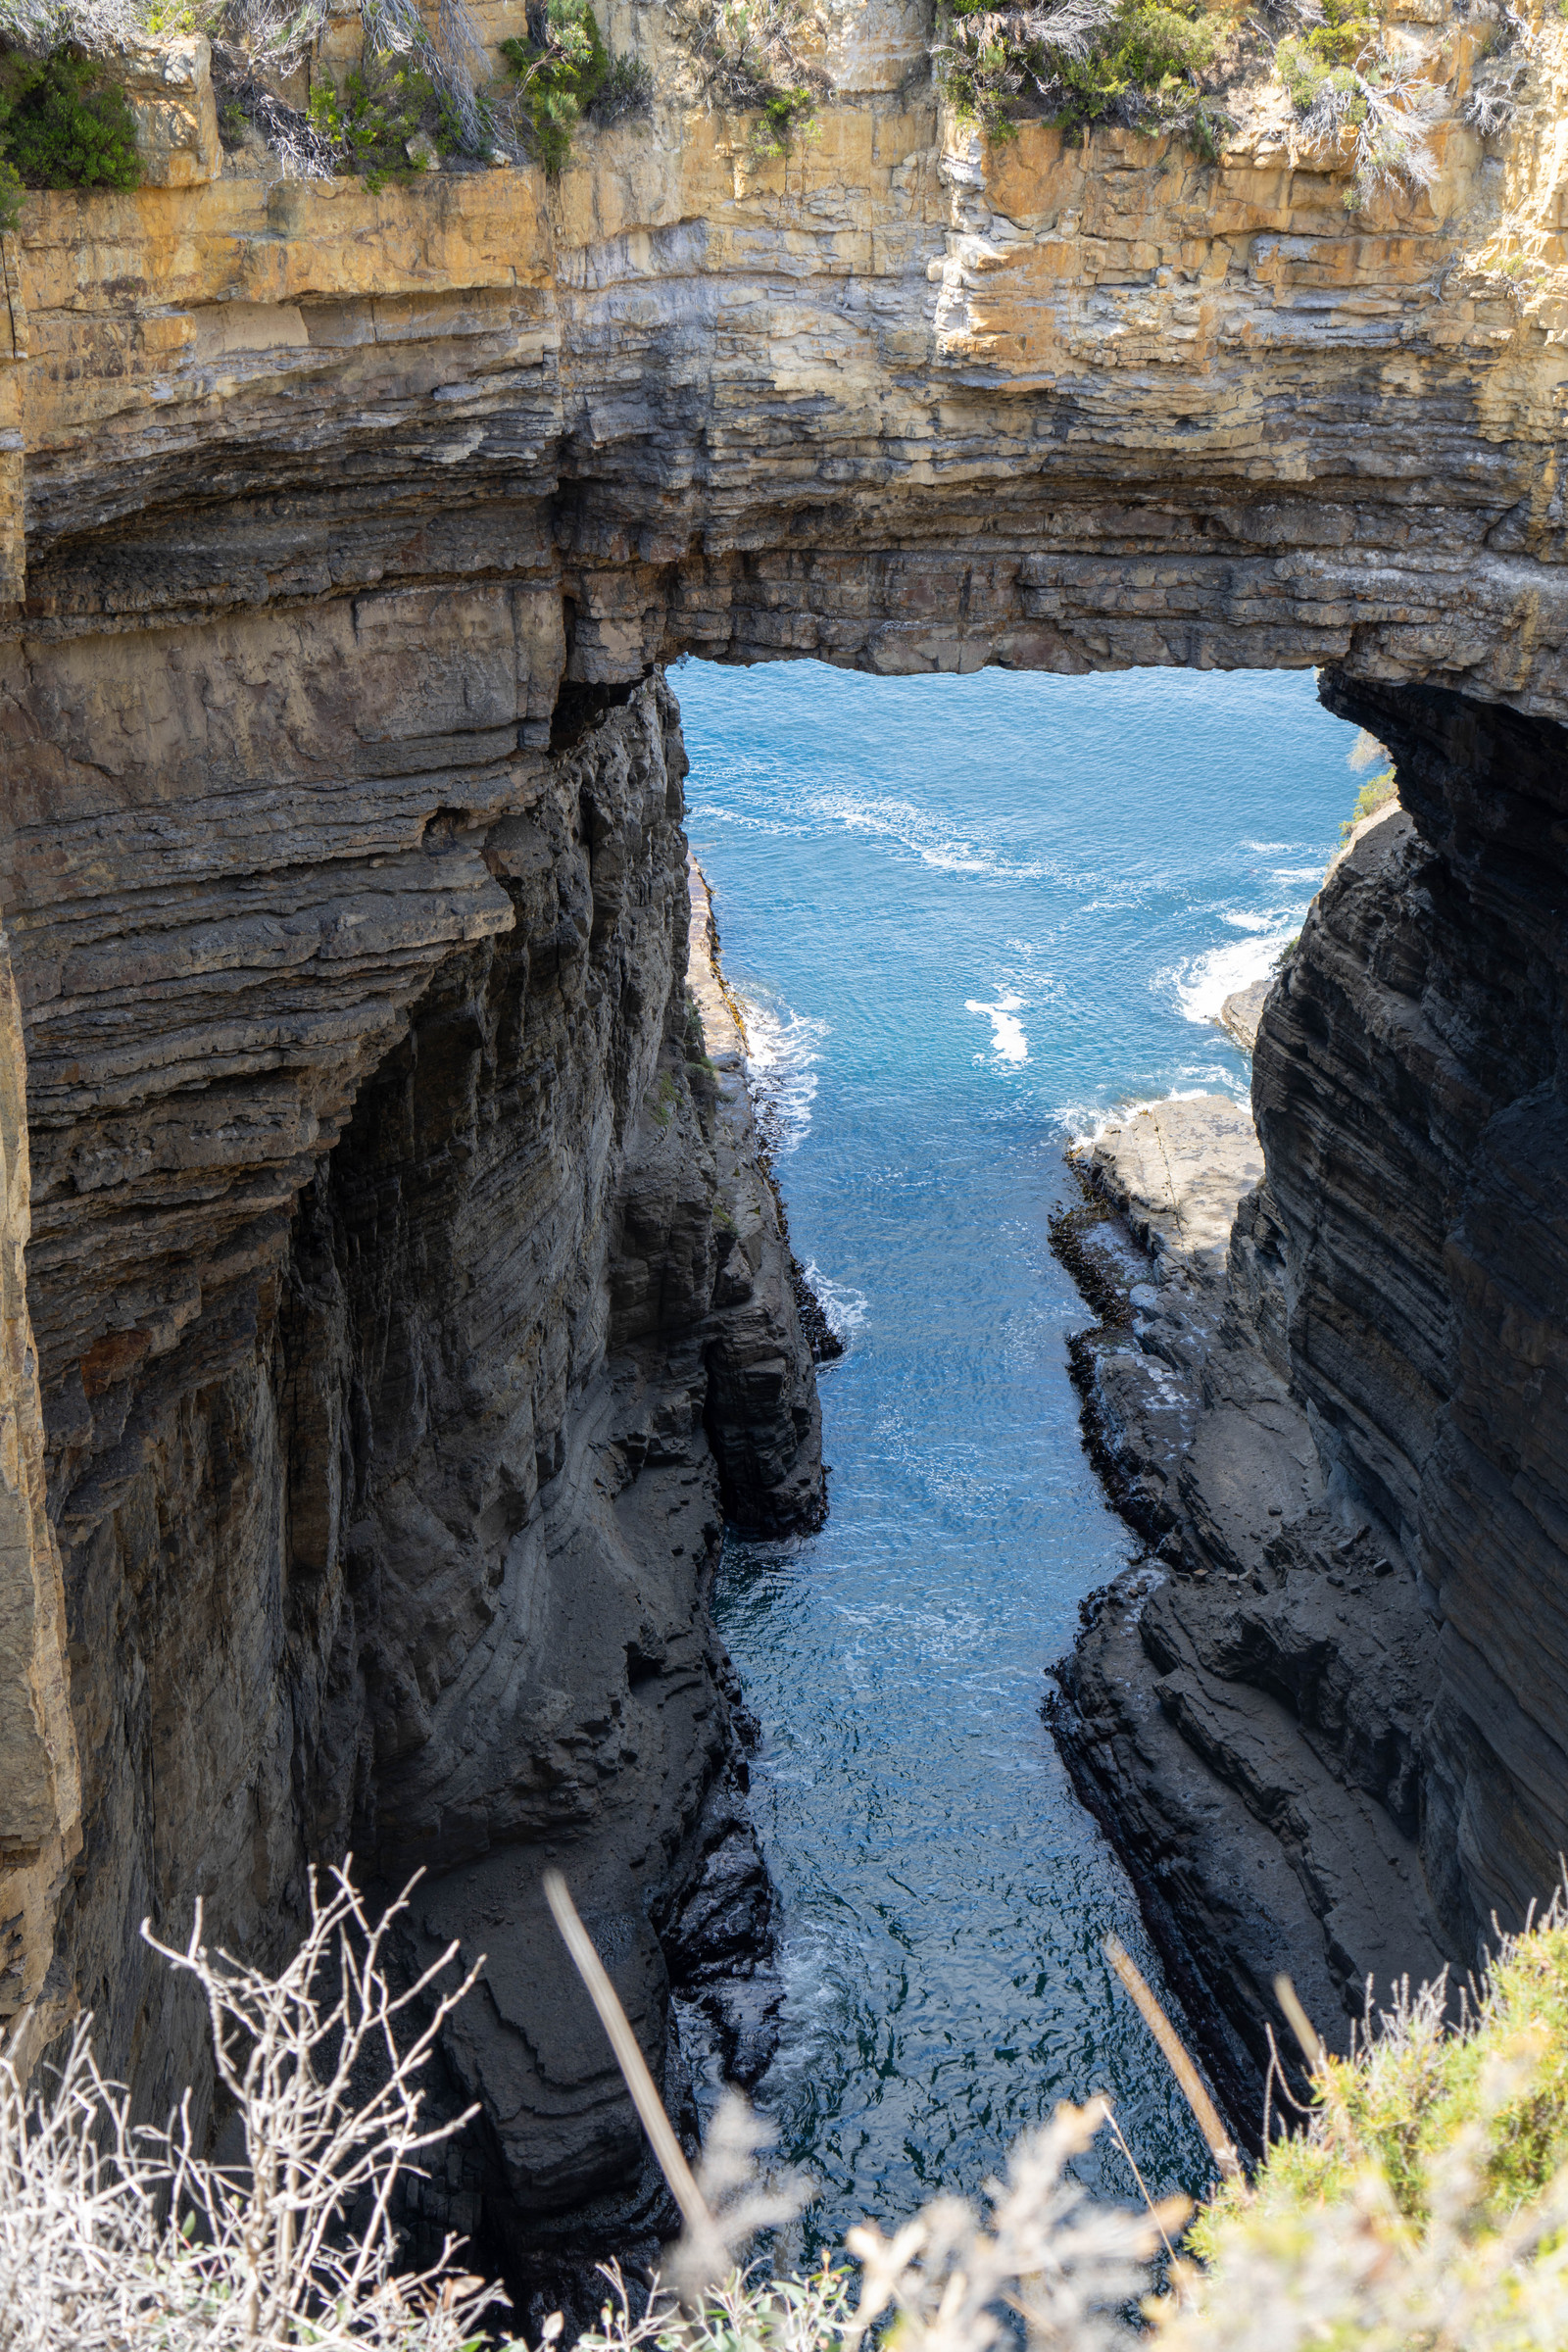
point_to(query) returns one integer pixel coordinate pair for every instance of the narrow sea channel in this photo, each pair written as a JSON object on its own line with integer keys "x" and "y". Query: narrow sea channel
{"x": 968, "y": 916}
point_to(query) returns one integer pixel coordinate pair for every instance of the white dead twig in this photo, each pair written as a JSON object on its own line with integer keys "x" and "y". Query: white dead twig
{"x": 113, "y": 2237}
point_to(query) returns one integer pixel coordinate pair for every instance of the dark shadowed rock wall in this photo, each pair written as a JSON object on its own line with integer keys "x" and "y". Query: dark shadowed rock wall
{"x": 1326, "y": 1722}
{"x": 387, "y": 1504}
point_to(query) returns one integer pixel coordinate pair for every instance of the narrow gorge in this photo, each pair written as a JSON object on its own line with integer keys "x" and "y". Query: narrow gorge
{"x": 396, "y": 1304}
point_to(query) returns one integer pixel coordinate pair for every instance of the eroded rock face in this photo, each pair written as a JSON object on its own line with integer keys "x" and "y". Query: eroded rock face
{"x": 396, "y": 1363}
{"x": 898, "y": 399}
{"x": 1324, "y": 1722}
{"x": 40, "y": 1824}
{"x": 1425, "y": 1025}
{"x": 386, "y": 1500}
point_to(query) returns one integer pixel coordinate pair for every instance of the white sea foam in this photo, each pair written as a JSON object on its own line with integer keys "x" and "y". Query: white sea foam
{"x": 845, "y": 1307}
{"x": 913, "y": 831}
{"x": 1008, "y": 1039}
{"x": 1084, "y": 1120}
{"x": 1202, "y": 983}
{"x": 720, "y": 812}
{"x": 782, "y": 1049}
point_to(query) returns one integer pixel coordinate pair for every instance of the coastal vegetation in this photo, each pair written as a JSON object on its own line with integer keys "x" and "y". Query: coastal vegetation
{"x": 1135, "y": 62}
{"x": 567, "y": 75}
{"x": 422, "y": 96}
{"x": 1416, "y": 2196}
{"x": 425, "y": 94}
{"x": 1181, "y": 68}
{"x": 1348, "y": 86}
{"x": 1375, "y": 794}
{"x": 64, "y": 123}
{"x": 753, "y": 57}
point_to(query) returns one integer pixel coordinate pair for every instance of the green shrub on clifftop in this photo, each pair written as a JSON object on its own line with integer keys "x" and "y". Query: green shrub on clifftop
{"x": 385, "y": 102}
{"x": 1375, "y": 794}
{"x": 63, "y": 124}
{"x": 1349, "y": 88}
{"x": 1132, "y": 62}
{"x": 566, "y": 73}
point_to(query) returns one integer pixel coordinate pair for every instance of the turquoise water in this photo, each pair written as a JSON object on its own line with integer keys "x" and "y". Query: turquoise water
{"x": 968, "y": 916}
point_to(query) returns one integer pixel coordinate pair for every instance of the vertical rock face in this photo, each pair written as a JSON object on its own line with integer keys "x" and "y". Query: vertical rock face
{"x": 1326, "y": 1723}
{"x": 378, "y": 1397}
{"x": 1410, "y": 1097}
{"x": 40, "y": 1806}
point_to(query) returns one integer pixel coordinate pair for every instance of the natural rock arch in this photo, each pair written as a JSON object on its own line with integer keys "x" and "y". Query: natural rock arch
{"x": 322, "y": 505}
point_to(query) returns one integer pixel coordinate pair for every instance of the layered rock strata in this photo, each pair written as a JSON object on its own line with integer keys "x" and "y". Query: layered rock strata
{"x": 393, "y": 1356}
{"x": 40, "y": 1817}
{"x": 896, "y": 398}
{"x": 1244, "y": 1708}
{"x": 371, "y": 1136}
{"x": 1325, "y": 1720}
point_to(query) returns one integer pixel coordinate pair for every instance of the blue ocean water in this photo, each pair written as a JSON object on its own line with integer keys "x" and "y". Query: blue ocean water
{"x": 967, "y": 917}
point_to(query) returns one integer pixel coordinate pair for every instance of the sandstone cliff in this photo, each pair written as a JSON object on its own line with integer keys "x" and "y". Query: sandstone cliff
{"x": 393, "y": 1357}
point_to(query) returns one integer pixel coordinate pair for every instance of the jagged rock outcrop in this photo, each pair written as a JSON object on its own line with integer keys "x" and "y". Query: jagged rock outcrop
{"x": 1325, "y": 1721}
{"x": 1243, "y": 1709}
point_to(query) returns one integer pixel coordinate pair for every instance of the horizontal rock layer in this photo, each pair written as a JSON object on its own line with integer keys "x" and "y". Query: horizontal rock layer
{"x": 896, "y": 399}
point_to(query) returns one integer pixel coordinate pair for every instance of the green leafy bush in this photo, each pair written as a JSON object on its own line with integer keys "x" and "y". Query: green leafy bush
{"x": 385, "y": 102}
{"x": 565, "y": 74}
{"x": 1149, "y": 53}
{"x": 786, "y": 117}
{"x": 1136, "y": 61}
{"x": 63, "y": 124}
{"x": 1304, "y": 60}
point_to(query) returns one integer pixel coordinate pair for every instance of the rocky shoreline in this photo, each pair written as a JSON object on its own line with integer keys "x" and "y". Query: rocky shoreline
{"x": 723, "y": 1021}
{"x": 1241, "y": 1707}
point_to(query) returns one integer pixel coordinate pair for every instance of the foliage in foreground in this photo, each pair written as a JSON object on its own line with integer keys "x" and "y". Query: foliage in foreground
{"x": 1423, "y": 2205}
{"x": 114, "y": 2239}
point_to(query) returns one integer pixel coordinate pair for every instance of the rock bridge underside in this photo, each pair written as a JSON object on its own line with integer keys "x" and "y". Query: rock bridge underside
{"x": 378, "y": 1300}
